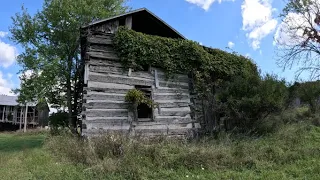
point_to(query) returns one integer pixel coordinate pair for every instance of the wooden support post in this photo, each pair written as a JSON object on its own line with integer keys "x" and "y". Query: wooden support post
{"x": 6, "y": 114}
{"x": 34, "y": 114}
{"x": 129, "y": 72}
{"x": 3, "y": 109}
{"x": 25, "y": 119}
{"x": 156, "y": 78}
{"x": 129, "y": 22}
{"x": 20, "y": 126}
{"x": 86, "y": 73}
{"x": 14, "y": 120}
{"x": 3, "y": 113}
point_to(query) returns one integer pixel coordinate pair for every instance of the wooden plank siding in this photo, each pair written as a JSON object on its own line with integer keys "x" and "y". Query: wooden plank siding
{"x": 107, "y": 82}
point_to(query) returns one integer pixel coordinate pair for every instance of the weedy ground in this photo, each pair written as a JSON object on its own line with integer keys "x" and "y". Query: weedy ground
{"x": 292, "y": 152}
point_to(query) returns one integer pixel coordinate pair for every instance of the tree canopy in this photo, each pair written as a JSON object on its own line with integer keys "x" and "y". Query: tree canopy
{"x": 50, "y": 39}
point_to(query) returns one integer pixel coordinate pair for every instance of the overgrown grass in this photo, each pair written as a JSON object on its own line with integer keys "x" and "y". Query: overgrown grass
{"x": 292, "y": 152}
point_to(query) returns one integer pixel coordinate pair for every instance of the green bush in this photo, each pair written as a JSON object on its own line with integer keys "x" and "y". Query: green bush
{"x": 316, "y": 120}
{"x": 136, "y": 96}
{"x": 270, "y": 124}
{"x": 275, "y": 121}
{"x": 58, "y": 122}
{"x": 308, "y": 93}
{"x": 247, "y": 101}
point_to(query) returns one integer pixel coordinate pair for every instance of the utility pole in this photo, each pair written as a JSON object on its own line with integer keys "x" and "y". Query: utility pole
{"x": 25, "y": 119}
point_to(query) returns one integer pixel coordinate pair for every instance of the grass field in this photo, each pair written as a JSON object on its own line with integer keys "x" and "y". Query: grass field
{"x": 291, "y": 153}
{"x": 23, "y": 157}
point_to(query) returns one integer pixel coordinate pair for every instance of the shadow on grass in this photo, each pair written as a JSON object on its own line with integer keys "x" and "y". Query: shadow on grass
{"x": 13, "y": 143}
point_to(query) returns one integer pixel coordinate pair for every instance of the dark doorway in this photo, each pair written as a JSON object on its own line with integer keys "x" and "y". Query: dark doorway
{"x": 144, "y": 111}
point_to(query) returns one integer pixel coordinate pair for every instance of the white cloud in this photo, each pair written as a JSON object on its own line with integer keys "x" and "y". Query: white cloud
{"x": 5, "y": 86}
{"x": 8, "y": 53}
{"x": 3, "y": 34}
{"x": 205, "y": 4}
{"x": 257, "y": 20}
{"x": 247, "y": 55}
{"x": 230, "y": 44}
{"x": 260, "y": 52}
{"x": 26, "y": 74}
{"x": 291, "y": 29}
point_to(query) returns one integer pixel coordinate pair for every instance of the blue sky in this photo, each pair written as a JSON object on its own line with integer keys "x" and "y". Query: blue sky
{"x": 246, "y": 26}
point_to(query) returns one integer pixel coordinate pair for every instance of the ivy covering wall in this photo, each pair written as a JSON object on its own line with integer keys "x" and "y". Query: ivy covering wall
{"x": 136, "y": 50}
{"x": 231, "y": 87}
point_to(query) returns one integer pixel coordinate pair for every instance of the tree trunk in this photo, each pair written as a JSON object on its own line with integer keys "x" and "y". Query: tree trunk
{"x": 25, "y": 119}
{"x": 77, "y": 94}
{"x": 72, "y": 123}
{"x": 69, "y": 104}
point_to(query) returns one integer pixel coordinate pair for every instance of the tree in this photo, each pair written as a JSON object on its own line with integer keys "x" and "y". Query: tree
{"x": 246, "y": 100}
{"x": 298, "y": 36}
{"x": 50, "y": 39}
{"x": 309, "y": 93}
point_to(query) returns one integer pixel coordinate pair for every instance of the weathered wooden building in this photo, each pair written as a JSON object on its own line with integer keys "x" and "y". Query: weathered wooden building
{"x": 12, "y": 114}
{"x": 107, "y": 82}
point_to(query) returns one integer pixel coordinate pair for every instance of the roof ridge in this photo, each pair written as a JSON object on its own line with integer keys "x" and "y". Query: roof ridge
{"x": 132, "y": 12}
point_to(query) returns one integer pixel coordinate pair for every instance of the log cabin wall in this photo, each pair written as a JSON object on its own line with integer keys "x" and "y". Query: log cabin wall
{"x": 107, "y": 82}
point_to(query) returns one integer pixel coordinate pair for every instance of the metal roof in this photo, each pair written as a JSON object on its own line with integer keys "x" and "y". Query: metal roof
{"x": 12, "y": 101}
{"x": 133, "y": 12}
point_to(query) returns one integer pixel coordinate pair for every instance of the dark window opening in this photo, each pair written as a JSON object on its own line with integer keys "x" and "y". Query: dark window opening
{"x": 144, "y": 111}
{"x": 145, "y": 67}
{"x": 122, "y": 22}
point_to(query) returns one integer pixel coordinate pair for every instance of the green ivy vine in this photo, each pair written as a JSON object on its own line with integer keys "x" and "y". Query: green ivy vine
{"x": 136, "y": 50}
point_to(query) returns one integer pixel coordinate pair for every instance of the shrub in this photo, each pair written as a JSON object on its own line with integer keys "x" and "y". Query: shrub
{"x": 309, "y": 92}
{"x": 316, "y": 120}
{"x": 270, "y": 124}
{"x": 58, "y": 122}
{"x": 247, "y": 101}
{"x": 275, "y": 121}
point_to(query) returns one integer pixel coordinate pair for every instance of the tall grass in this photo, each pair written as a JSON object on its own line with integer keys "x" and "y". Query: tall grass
{"x": 114, "y": 155}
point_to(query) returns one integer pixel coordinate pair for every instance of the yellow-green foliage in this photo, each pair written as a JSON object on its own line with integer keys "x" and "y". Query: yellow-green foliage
{"x": 136, "y": 96}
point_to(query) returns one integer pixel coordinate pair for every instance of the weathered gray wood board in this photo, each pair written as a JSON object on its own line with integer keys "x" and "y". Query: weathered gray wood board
{"x": 107, "y": 82}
